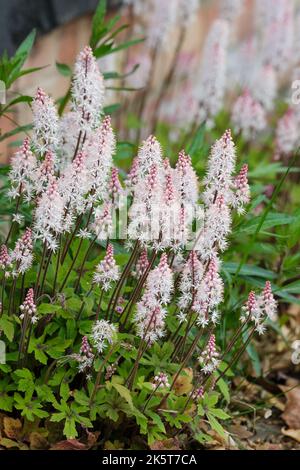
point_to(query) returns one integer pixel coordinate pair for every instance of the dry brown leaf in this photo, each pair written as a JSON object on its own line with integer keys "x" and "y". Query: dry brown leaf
{"x": 92, "y": 438}
{"x": 11, "y": 444}
{"x": 183, "y": 383}
{"x": 69, "y": 444}
{"x": 274, "y": 401}
{"x": 167, "y": 444}
{"x": 293, "y": 433}
{"x": 240, "y": 431}
{"x": 37, "y": 441}
{"x": 12, "y": 427}
{"x": 291, "y": 413}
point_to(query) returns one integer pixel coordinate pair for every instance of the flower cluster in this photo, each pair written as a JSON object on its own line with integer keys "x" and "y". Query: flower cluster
{"x": 28, "y": 308}
{"x": 161, "y": 380}
{"x": 85, "y": 357}
{"x": 150, "y": 315}
{"x": 260, "y": 307}
{"x": 107, "y": 270}
{"x": 103, "y": 333}
{"x": 209, "y": 359}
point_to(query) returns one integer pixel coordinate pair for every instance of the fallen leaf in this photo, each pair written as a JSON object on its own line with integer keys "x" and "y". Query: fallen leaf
{"x": 69, "y": 444}
{"x": 11, "y": 444}
{"x": 240, "y": 431}
{"x": 115, "y": 445}
{"x": 166, "y": 444}
{"x": 12, "y": 427}
{"x": 293, "y": 433}
{"x": 183, "y": 383}
{"x": 291, "y": 413}
{"x": 37, "y": 441}
{"x": 92, "y": 438}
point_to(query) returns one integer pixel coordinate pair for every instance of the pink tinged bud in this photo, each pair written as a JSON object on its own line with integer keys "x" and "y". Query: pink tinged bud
{"x": 152, "y": 178}
{"x": 47, "y": 166}
{"x": 79, "y": 162}
{"x": 115, "y": 185}
{"x": 183, "y": 162}
{"x": 198, "y": 393}
{"x": 85, "y": 349}
{"x": 142, "y": 263}
{"x": 270, "y": 305}
{"x": 52, "y": 191}
{"x": 163, "y": 263}
{"x": 169, "y": 190}
{"x": 133, "y": 174}
{"x": 251, "y": 303}
{"x": 4, "y": 256}
{"x": 28, "y": 306}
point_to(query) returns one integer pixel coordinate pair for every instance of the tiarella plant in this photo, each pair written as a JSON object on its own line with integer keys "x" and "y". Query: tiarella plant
{"x": 112, "y": 286}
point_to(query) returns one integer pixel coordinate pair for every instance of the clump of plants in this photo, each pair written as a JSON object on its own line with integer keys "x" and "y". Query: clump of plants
{"x": 111, "y": 287}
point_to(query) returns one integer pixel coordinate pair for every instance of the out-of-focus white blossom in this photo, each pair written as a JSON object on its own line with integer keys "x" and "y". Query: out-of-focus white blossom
{"x": 287, "y": 135}
{"x": 248, "y": 116}
{"x": 212, "y": 76}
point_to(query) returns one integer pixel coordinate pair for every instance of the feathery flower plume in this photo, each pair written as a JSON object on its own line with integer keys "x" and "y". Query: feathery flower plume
{"x": 142, "y": 263}
{"x": 50, "y": 218}
{"x": 22, "y": 254}
{"x": 190, "y": 279}
{"x": 87, "y": 90}
{"x": 242, "y": 190}
{"x": 268, "y": 302}
{"x": 209, "y": 358}
{"x": 103, "y": 223}
{"x": 100, "y": 148}
{"x": 107, "y": 270}
{"x": 115, "y": 189}
{"x": 221, "y": 165}
{"x": 23, "y": 165}
{"x": 186, "y": 179}
{"x": 44, "y": 172}
{"x": 248, "y": 116}
{"x": 45, "y": 123}
{"x": 209, "y": 294}
{"x": 85, "y": 357}
{"x": 74, "y": 184}
{"x": 258, "y": 308}
{"x": 150, "y": 316}
{"x": 149, "y": 154}
{"x": 103, "y": 333}
{"x": 217, "y": 225}
{"x": 28, "y": 307}
{"x": 4, "y": 257}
